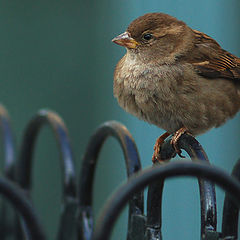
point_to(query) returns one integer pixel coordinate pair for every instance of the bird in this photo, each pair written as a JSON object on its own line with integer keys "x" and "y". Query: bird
{"x": 175, "y": 77}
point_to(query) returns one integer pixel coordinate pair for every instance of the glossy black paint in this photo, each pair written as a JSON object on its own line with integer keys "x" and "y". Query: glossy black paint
{"x": 76, "y": 221}
{"x": 118, "y": 200}
{"x": 133, "y": 165}
{"x": 207, "y": 190}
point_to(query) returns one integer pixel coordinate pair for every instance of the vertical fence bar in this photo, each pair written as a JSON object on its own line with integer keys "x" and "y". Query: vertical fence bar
{"x": 231, "y": 211}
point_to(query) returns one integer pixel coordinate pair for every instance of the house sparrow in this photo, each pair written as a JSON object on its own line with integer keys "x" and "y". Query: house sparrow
{"x": 176, "y": 78}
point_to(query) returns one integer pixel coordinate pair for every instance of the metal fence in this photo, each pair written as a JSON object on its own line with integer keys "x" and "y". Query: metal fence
{"x": 76, "y": 221}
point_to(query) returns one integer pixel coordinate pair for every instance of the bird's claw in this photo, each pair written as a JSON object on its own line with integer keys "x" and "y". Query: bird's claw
{"x": 174, "y": 142}
{"x": 157, "y": 147}
{"x": 175, "y": 139}
{"x": 179, "y": 153}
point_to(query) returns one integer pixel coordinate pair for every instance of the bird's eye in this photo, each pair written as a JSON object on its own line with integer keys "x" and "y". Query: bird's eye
{"x": 147, "y": 36}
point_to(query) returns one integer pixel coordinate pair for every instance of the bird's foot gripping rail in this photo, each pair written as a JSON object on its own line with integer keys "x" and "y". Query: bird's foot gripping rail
{"x": 76, "y": 221}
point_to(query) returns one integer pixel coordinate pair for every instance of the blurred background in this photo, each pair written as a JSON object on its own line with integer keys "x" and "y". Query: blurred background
{"x": 59, "y": 55}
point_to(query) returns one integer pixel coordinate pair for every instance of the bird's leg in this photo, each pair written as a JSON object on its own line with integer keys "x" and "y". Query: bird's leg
{"x": 157, "y": 147}
{"x": 175, "y": 139}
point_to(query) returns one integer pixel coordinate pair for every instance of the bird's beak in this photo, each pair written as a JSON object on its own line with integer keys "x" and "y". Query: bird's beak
{"x": 125, "y": 40}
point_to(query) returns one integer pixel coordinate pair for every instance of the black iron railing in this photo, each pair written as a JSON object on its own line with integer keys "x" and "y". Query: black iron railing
{"x": 76, "y": 221}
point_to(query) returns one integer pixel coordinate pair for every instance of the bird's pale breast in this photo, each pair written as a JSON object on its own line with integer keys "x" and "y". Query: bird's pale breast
{"x": 173, "y": 96}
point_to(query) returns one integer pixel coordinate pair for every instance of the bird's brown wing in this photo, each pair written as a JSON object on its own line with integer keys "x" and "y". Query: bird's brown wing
{"x": 210, "y": 60}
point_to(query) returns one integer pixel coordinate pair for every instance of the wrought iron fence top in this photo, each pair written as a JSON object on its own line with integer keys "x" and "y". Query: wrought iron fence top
{"x": 77, "y": 218}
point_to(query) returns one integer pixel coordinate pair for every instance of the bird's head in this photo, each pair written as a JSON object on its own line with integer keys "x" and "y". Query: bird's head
{"x": 155, "y": 37}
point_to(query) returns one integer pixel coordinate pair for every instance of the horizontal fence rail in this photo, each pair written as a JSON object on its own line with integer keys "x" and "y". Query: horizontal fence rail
{"x": 77, "y": 219}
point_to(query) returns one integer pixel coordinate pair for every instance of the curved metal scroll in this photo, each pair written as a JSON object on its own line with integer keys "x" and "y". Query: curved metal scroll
{"x": 9, "y": 148}
{"x": 231, "y": 211}
{"x": 119, "y": 199}
{"x": 207, "y": 192}
{"x": 20, "y": 202}
{"x": 67, "y": 229}
{"x": 133, "y": 165}
{"x": 6, "y": 215}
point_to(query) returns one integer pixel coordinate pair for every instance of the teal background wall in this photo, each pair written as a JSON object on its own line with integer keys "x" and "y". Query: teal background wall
{"x": 59, "y": 55}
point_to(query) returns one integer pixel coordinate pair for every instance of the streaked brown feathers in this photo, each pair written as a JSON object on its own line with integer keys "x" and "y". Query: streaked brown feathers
{"x": 210, "y": 60}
